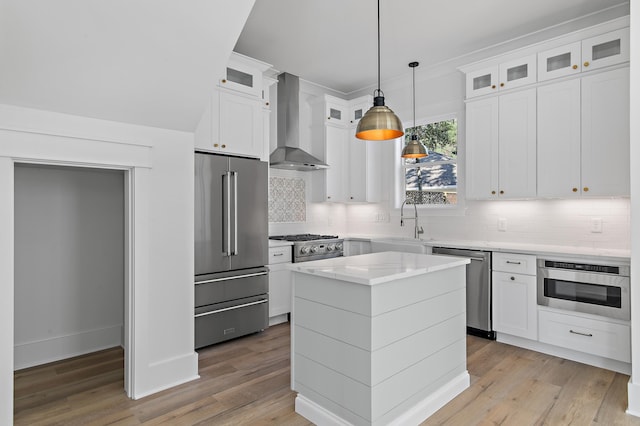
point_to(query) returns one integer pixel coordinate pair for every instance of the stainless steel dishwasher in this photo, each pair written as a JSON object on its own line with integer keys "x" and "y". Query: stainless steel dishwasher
{"x": 478, "y": 289}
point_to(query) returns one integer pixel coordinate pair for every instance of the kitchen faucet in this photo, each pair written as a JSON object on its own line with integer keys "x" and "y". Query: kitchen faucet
{"x": 417, "y": 230}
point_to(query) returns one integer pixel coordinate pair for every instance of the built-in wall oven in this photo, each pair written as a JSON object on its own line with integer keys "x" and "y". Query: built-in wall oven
{"x": 581, "y": 287}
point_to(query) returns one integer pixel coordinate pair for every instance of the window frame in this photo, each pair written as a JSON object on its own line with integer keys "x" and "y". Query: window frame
{"x": 400, "y": 169}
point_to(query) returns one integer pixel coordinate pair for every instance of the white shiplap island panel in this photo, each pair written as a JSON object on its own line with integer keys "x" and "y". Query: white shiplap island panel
{"x": 378, "y": 338}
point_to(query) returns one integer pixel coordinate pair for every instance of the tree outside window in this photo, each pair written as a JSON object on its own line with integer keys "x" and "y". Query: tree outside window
{"x": 433, "y": 180}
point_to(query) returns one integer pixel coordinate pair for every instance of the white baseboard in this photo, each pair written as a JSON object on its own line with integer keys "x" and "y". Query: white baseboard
{"x": 413, "y": 416}
{"x": 49, "y": 350}
{"x": 633, "y": 398}
{"x": 278, "y": 319}
{"x": 166, "y": 374}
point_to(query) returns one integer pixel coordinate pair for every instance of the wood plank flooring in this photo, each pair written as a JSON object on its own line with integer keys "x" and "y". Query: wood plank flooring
{"x": 246, "y": 382}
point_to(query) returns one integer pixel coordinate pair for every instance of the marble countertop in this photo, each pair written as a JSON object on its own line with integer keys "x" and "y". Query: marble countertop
{"x": 377, "y": 268}
{"x": 603, "y": 254}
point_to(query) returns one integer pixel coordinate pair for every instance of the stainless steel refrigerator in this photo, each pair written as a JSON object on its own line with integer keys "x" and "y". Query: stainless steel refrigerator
{"x": 231, "y": 247}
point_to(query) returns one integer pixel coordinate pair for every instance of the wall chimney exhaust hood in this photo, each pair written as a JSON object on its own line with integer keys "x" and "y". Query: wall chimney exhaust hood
{"x": 288, "y": 154}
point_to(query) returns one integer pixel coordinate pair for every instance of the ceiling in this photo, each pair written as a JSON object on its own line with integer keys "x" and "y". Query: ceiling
{"x": 149, "y": 62}
{"x": 334, "y": 42}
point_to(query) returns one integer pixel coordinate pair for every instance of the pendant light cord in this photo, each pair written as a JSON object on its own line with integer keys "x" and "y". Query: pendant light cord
{"x": 414, "y": 100}
{"x": 378, "y": 46}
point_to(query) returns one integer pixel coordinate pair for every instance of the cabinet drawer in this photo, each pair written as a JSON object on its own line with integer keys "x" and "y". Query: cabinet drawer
{"x": 279, "y": 255}
{"x": 601, "y": 338}
{"x": 514, "y": 263}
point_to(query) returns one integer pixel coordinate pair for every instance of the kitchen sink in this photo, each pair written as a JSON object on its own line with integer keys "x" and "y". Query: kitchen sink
{"x": 407, "y": 245}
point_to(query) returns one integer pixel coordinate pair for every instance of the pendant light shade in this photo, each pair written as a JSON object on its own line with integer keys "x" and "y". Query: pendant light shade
{"x": 414, "y": 149}
{"x": 380, "y": 123}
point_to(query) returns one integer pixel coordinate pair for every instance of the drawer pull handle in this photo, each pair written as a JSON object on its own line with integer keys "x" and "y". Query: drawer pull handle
{"x": 231, "y": 308}
{"x": 278, "y": 254}
{"x": 582, "y": 334}
{"x": 514, "y": 263}
{"x": 257, "y": 274}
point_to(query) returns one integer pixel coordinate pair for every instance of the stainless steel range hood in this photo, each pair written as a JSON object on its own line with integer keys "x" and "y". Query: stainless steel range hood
{"x": 288, "y": 154}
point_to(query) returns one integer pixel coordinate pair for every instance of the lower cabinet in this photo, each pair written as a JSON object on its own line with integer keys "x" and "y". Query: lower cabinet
{"x": 279, "y": 281}
{"x": 356, "y": 247}
{"x": 596, "y": 337}
{"x": 514, "y": 306}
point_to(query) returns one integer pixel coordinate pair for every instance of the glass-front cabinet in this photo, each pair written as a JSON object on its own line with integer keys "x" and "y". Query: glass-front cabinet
{"x": 506, "y": 75}
{"x": 560, "y": 61}
{"x": 606, "y": 49}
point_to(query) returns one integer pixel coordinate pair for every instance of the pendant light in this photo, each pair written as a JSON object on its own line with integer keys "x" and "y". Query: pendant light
{"x": 414, "y": 148}
{"x": 379, "y": 123}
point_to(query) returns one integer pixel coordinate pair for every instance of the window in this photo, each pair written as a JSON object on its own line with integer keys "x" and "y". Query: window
{"x": 433, "y": 180}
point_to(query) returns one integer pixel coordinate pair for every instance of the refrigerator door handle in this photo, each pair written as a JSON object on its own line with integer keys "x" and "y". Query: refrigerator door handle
{"x": 235, "y": 213}
{"x": 226, "y": 214}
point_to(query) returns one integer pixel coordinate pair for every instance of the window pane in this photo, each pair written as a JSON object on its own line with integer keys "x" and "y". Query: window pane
{"x": 433, "y": 179}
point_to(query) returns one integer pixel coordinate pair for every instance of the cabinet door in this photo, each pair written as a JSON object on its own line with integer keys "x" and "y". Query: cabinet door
{"x": 605, "y": 134}
{"x": 559, "y": 62}
{"x": 364, "y": 170}
{"x": 482, "y": 82}
{"x": 336, "y": 112}
{"x": 518, "y": 72}
{"x": 517, "y": 145}
{"x": 606, "y": 49}
{"x": 336, "y": 140}
{"x": 559, "y": 140}
{"x": 482, "y": 148}
{"x": 279, "y": 290}
{"x": 514, "y": 305}
{"x": 240, "y": 125}
{"x": 357, "y": 111}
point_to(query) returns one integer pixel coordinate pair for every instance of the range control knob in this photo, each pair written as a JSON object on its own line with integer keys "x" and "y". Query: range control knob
{"x": 330, "y": 247}
{"x": 339, "y": 246}
{"x": 314, "y": 249}
{"x": 304, "y": 250}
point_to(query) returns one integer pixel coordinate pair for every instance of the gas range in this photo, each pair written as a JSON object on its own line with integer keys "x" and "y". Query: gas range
{"x": 308, "y": 247}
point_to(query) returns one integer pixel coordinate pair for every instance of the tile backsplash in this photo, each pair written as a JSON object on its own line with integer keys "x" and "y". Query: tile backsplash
{"x": 287, "y": 199}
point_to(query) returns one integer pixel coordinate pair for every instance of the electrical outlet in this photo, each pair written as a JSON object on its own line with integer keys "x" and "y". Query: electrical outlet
{"x": 502, "y": 224}
{"x": 596, "y": 225}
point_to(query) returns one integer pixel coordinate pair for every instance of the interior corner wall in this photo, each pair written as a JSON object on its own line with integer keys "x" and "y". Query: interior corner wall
{"x": 69, "y": 262}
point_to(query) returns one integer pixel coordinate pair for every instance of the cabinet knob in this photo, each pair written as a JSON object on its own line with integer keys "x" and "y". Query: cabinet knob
{"x": 328, "y": 118}
{"x": 224, "y": 81}
{"x": 266, "y": 103}
{"x": 215, "y": 145}
{"x": 513, "y": 278}
{"x": 575, "y": 67}
{"x": 493, "y": 192}
{"x": 329, "y": 197}
{"x": 501, "y": 192}
{"x": 585, "y": 189}
{"x": 501, "y": 84}
{"x": 586, "y": 64}
{"x": 351, "y": 198}
{"x": 493, "y": 86}
{"x": 575, "y": 189}
{"x": 224, "y": 146}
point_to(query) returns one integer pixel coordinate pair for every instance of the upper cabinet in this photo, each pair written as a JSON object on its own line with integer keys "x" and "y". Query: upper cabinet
{"x": 586, "y": 55}
{"x": 233, "y": 122}
{"x": 506, "y": 75}
{"x": 561, "y": 138}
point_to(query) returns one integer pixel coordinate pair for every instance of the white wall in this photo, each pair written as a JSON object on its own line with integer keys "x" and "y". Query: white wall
{"x": 69, "y": 262}
{"x": 159, "y": 198}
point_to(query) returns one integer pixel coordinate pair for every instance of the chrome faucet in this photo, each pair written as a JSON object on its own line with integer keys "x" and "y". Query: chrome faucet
{"x": 417, "y": 230}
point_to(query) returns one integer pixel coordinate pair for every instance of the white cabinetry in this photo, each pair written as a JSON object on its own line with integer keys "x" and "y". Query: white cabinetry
{"x": 354, "y": 165}
{"x": 279, "y": 281}
{"x": 575, "y": 118}
{"x": 356, "y": 247}
{"x": 514, "y": 295}
{"x": 589, "y": 335}
{"x": 233, "y": 121}
{"x": 506, "y": 75}
{"x": 501, "y": 146}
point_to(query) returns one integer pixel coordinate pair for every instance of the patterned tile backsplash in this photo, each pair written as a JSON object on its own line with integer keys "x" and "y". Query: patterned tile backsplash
{"x": 287, "y": 200}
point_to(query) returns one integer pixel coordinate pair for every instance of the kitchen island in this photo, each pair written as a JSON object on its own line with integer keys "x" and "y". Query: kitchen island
{"x": 378, "y": 338}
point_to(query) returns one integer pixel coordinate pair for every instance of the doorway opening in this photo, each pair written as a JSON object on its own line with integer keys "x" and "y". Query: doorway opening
{"x": 70, "y": 264}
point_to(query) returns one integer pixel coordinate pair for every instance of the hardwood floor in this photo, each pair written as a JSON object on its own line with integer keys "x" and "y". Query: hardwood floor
{"x": 246, "y": 382}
